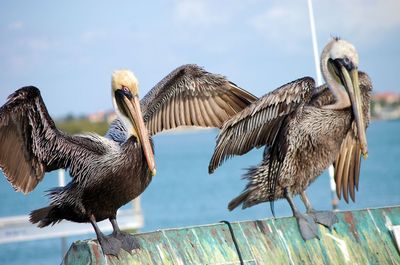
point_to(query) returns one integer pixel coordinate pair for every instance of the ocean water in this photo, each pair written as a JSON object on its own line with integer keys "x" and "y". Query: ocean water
{"x": 184, "y": 194}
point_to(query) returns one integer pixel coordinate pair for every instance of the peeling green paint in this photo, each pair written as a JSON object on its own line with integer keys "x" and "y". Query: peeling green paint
{"x": 360, "y": 237}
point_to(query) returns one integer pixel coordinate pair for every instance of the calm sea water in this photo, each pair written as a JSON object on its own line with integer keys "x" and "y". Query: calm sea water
{"x": 183, "y": 194}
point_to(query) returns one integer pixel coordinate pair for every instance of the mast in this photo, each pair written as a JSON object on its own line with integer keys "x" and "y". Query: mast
{"x": 319, "y": 82}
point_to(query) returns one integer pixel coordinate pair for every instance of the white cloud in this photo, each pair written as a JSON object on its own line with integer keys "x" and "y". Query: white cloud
{"x": 364, "y": 21}
{"x": 287, "y": 22}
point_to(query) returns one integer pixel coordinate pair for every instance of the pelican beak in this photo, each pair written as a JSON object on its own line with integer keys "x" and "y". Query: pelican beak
{"x": 133, "y": 106}
{"x": 353, "y": 87}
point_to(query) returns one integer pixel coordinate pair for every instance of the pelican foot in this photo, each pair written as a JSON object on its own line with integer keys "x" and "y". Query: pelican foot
{"x": 110, "y": 245}
{"x": 325, "y": 218}
{"x": 128, "y": 241}
{"x": 307, "y": 226}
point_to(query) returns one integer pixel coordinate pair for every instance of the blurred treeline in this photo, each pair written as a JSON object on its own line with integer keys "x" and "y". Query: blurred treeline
{"x": 75, "y": 125}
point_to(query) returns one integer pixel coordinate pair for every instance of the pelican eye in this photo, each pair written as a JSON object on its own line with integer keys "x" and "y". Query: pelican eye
{"x": 347, "y": 63}
{"x": 126, "y": 92}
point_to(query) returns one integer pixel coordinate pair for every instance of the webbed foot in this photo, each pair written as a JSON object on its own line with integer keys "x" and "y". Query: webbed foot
{"x": 127, "y": 240}
{"x": 325, "y": 218}
{"x": 110, "y": 245}
{"x": 307, "y": 226}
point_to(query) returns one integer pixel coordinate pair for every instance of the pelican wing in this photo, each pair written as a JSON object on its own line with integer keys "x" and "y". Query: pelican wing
{"x": 31, "y": 145}
{"x": 191, "y": 96}
{"x": 347, "y": 165}
{"x": 260, "y": 123}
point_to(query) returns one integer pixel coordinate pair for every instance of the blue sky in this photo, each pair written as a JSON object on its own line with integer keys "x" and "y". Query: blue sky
{"x": 69, "y": 48}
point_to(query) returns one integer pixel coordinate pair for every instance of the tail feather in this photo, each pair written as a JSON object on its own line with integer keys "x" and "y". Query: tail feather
{"x": 239, "y": 200}
{"x": 44, "y": 216}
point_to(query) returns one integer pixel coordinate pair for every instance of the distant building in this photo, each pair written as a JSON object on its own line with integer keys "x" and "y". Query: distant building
{"x": 386, "y": 97}
{"x": 101, "y": 116}
{"x": 386, "y": 106}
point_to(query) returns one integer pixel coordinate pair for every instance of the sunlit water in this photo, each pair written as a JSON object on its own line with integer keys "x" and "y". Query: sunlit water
{"x": 184, "y": 194}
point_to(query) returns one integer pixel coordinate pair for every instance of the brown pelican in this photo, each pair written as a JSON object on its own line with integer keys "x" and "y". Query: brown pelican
{"x": 107, "y": 172}
{"x": 305, "y": 129}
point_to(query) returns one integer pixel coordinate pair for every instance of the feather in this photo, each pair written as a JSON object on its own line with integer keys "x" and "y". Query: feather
{"x": 30, "y": 144}
{"x": 199, "y": 89}
{"x": 257, "y": 117}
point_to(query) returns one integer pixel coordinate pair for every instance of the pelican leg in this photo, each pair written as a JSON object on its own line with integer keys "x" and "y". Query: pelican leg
{"x": 325, "y": 218}
{"x": 128, "y": 241}
{"x": 109, "y": 245}
{"x": 307, "y": 226}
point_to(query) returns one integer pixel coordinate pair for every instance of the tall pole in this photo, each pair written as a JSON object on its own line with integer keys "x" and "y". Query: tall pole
{"x": 314, "y": 42}
{"x": 319, "y": 82}
{"x": 61, "y": 183}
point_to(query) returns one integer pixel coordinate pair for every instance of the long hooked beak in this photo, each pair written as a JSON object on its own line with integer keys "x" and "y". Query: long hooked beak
{"x": 135, "y": 114}
{"x": 353, "y": 87}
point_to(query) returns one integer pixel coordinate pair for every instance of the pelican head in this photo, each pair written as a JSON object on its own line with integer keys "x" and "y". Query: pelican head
{"x": 125, "y": 95}
{"x": 339, "y": 65}
{"x": 125, "y": 78}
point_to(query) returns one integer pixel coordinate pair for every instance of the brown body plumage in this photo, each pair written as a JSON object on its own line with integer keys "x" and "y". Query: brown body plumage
{"x": 107, "y": 172}
{"x": 113, "y": 185}
{"x": 312, "y": 138}
{"x": 305, "y": 129}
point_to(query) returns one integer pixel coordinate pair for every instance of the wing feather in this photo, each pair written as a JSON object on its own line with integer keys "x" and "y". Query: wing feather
{"x": 191, "y": 96}
{"x": 187, "y": 112}
{"x": 165, "y": 113}
{"x": 154, "y": 122}
{"x": 357, "y": 166}
{"x": 181, "y": 110}
{"x": 31, "y": 145}
{"x": 198, "y": 112}
{"x": 207, "y": 119}
{"x": 348, "y": 162}
{"x": 258, "y": 124}
{"x": 172, "y": 114}
{"x": 229, "y": 110}
{"x": 214, "y": 121}
{"x": 221, "y": 115}
{"x": 347, "y": 165}
{"x": 193, "y": 112}
{"x": 159, "y": 121}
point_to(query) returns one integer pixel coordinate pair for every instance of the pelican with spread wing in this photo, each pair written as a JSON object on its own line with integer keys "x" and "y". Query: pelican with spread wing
{"x": 107, "y": 172}
{"x": 305, "y": 129}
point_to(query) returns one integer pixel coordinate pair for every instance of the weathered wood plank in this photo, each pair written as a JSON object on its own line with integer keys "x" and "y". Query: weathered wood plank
{"x": 360, "y": 237}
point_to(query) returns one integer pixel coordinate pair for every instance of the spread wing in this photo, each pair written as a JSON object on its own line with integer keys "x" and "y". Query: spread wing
{"x": 191, "y": 96}
{"x": 31, "y": 145}
{"x": 260, "y": 123}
